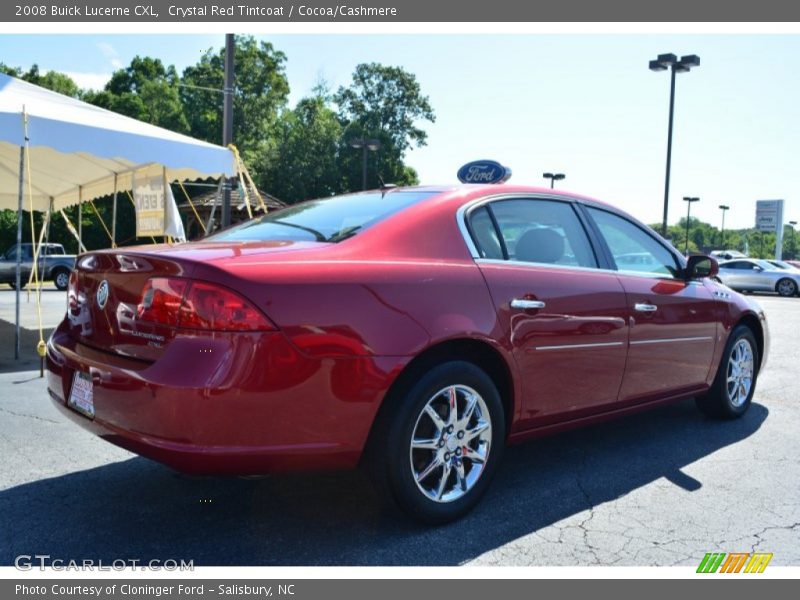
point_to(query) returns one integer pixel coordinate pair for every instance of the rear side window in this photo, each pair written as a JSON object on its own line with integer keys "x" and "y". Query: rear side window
{"x": 325, "y": 220}
{"x": 634, "y": 250}
{"x": 542, "y": 231}
{"x": 485, "y": 234}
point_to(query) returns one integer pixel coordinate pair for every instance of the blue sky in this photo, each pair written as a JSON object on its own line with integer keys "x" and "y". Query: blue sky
{"x": 585, "y": 105}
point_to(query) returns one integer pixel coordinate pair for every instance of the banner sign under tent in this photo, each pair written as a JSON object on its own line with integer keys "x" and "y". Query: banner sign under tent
{"x": 57, "y": 152}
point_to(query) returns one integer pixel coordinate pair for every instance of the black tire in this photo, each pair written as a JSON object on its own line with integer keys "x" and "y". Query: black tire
{"x": 13, "y": 284}
{"x": 61, "y": 279}
{"x": 724, "y": 401}
{"x": 391, "y": 459}
{"x": 786, "y": 287}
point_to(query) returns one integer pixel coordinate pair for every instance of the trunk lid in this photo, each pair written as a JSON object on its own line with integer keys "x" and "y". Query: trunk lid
{"x": 102, "y": 302}
{"x": 102, "y": 310}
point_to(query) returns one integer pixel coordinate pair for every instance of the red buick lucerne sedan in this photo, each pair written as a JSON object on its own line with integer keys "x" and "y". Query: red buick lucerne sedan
{"x": 415, "y": 331}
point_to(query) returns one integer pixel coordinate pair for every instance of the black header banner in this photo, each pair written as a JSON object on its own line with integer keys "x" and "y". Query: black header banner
{"x": 399, "y": 11}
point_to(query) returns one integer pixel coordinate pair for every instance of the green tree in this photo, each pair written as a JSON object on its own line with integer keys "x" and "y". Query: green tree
{"x": 52, "y": 80}
{"x": 306, "y": 165}
{"x": 146, "y": 90}
{"x": 385, "y": 103}
{"x": 261, "y": 91}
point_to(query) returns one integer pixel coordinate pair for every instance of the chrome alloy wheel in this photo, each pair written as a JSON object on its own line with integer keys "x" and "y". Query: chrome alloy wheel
{"x": 450, "y": 443}
{"x": 740, "y": 373}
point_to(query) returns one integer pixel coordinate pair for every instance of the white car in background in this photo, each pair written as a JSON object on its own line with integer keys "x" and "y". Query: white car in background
{"x": 756, "y": 275}
{"x": 783, "y": 265}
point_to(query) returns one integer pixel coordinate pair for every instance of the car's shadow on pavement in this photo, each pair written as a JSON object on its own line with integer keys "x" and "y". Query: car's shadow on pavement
{"x": 136, "y": 509}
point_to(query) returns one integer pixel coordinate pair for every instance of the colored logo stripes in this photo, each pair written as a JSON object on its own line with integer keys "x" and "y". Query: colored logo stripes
{"x": 734, "y": 562}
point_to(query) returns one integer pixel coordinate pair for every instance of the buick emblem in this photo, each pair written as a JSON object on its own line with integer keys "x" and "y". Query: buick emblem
{"x": 102, "y": 294}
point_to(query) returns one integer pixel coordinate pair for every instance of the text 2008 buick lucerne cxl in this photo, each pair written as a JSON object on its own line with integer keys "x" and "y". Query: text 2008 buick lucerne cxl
{"x": 416, "y": 331}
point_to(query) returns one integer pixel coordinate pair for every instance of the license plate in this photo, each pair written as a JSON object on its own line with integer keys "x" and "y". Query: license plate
{"x": 81, "y": 396}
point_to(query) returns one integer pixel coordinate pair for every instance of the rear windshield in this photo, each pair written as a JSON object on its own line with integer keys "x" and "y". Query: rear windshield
{"x": 324, "y": 220}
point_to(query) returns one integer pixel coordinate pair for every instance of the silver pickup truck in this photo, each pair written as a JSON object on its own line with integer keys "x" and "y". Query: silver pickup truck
{"x": 54, "y": 264}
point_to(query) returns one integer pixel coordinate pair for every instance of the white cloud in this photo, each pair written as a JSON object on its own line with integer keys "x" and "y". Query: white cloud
{"x": 89, "y": 81}
{"x": 110, "y": 53}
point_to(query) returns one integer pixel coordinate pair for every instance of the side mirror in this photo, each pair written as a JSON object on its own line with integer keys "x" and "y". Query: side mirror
{"x": 757, "y": 269}
{"x": 699, "y": 266}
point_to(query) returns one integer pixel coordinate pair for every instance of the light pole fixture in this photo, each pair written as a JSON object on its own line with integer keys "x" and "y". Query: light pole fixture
{"x": 367, "y": 144}
{"x": 688, "y": 201}
{"x": 794, "y": 247}
{"x": 553, "y": 177}
{"x": 684, "y": 65}
{"x": 724, "y": 208}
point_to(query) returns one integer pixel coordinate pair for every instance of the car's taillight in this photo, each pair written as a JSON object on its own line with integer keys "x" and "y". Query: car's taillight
{"x": 161, "y": 300}
{"x": 187, "y": 304}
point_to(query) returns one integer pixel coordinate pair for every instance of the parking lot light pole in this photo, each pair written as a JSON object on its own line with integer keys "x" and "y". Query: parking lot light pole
{"x": 688, "y": 201}
{"x": 370, "y": 145}
{"x": 723, "y": 208}
{"x": 553, "y": 177}
{"x": 794, "y": 247}
{"x": 684, "y": 65}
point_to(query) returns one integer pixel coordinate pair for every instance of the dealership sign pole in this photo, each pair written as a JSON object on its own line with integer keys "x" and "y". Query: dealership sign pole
{"x": 769, "y": 217}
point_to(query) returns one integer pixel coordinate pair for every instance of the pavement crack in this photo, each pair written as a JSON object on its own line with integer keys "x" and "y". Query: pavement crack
{"x": 26, "y": 416}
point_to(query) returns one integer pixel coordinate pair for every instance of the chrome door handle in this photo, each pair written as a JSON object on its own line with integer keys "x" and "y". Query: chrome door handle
{"x": 524, "y": 304}
{"x": 644, "y": 307}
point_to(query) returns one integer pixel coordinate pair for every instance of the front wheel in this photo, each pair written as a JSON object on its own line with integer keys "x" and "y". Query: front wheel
{"x": 786, "y": 287}
{"x": 735, "y": 382}
{"x": 440, "y": 442}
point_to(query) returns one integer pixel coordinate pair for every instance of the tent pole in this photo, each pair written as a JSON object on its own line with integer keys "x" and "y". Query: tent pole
{"x": 19, "y": 248}
{"x": 80, "y": 218}
{"x": 114, "y": 216}
{"x": 227, "y": 120}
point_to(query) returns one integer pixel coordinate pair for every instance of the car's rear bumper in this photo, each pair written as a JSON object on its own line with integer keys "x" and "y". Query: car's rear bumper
{"x": 232, "y": 404}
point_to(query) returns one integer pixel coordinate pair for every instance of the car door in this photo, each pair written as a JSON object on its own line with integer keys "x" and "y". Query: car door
{"x": 760, "y": 277}
{"x": 673, "y": 322}
{"x": 734, "y": 274}
{"x": 565, "y": 318}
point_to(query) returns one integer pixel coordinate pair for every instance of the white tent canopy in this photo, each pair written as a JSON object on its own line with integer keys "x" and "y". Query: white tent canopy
{"x": 78, "y": 150}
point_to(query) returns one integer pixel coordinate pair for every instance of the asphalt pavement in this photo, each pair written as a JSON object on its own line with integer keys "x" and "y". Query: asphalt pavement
{"x": 659, "y": 488}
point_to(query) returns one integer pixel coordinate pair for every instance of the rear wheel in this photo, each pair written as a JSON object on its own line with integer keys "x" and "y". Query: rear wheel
{"x": 735, "y": 382}
{"x": 61, "y": 279}
{"x": 786, "y": 287}
{"x": 13, "y": 284}
{"x": 439, "y": 442}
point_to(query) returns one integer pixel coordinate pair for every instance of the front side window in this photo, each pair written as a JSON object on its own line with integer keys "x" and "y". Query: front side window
{"x": 739, "y": 265}
{"x": 543, "y": 231}
{"x": 325, "y": 220}
{"x": 633, "y": 249}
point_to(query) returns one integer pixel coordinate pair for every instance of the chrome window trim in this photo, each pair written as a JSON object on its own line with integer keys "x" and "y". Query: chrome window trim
{"x": 522, "y": 263}
{"x": 461, "y": 221}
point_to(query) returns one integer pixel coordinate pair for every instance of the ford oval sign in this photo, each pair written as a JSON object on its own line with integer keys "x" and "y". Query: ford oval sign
{"x": 483, "y": 171}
